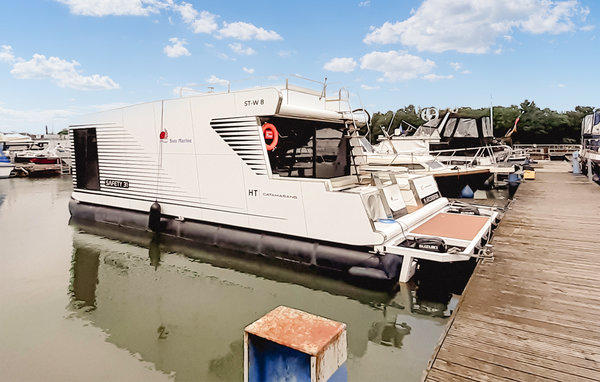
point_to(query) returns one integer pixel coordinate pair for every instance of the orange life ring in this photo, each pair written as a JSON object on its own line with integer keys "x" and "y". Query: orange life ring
{"x": 270, "y": 133}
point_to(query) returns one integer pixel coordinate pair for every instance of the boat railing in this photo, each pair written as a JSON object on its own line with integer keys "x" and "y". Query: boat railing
{"x": 340, "y": 102}
{"x": 547, "y": 150}
{"x": 450, "y": 155}
{"x": 591, "y": 144}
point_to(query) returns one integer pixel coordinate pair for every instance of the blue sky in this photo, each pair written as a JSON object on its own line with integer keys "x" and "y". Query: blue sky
{"x": 61, "y": 58}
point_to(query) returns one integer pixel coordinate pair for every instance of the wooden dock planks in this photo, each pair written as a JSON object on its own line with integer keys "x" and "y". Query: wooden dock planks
{"x": 533, "y": 313}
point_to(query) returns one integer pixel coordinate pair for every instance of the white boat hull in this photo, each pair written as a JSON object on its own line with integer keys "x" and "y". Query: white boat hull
{"x": 5, "y": 170}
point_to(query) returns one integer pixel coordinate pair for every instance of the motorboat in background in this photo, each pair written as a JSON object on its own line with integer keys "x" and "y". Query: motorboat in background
{"x": 6, "y": 166}
{"x": 590, "y": 145}
{"x": 270, "y": 172}
{"x": 451, "y": 139}
{"x": 14, "y": 142}
{"x": 49, "y": 154}
{"x": 461, "y": 153}
{"x": 451, "y": 179}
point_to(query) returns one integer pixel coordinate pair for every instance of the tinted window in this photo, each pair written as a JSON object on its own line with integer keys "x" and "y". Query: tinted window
{"x": 86, "y": 159}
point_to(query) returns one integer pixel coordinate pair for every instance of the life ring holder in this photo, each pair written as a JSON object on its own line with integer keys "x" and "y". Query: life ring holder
{"x": 270, "y": 132}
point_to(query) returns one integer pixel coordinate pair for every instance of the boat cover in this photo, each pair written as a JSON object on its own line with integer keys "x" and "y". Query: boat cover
{"x": 591, "y": 124}
{"x": 457, "y": 127}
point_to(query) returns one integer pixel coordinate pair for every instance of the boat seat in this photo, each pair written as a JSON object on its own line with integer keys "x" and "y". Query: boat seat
{"x": 342, "y": 181}
{"x": 411, "y": 209}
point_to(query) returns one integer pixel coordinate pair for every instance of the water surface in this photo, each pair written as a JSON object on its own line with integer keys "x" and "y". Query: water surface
{"x": 91, "y": 303}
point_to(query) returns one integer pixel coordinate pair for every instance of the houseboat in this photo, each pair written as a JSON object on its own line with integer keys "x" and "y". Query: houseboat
{"x": 271, "y": 172}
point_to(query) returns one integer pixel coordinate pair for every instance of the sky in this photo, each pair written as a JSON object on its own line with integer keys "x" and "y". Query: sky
{"x": 63, "y": 58}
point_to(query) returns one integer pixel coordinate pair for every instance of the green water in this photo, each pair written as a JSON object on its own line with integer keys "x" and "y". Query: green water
{"x": 81, "y": 306}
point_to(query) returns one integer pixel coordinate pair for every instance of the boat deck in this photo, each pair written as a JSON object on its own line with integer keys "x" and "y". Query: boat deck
{"x": 532, "y": 313}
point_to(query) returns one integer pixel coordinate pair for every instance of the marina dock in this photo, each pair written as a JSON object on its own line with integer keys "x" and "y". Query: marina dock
{"x": 532, "y": 313}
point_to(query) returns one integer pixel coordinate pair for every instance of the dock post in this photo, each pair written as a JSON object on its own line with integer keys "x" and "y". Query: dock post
{"x": 289, "y": 344}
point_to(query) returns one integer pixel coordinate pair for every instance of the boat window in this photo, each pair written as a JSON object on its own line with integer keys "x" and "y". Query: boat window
{"x": 595, "y": 130}
{"x": 449, "y": 128}
{"x": 427, "y": 132}
{"x": 412, "y": 166}
{"x": 486, "y": 128}
{"x": 433, "y": 164}
{"x": 467, "y": 128}
{"x": 586, "y": 124}
{"x": 86, "y": 159}
{"x": 309, "y": 149}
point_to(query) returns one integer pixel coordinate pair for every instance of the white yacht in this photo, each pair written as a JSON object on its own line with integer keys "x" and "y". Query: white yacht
{"x": 590, "y": 144}
{"x": 451, "y": 178}
{"x": 268, "y": 171}
{"x": 5, "y": 167}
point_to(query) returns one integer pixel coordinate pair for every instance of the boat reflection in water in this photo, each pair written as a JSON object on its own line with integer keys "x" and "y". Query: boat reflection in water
{"x": 184, "y": 309}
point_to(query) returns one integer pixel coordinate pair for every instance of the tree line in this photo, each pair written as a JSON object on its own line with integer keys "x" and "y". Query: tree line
{"x": 535, "y": 125}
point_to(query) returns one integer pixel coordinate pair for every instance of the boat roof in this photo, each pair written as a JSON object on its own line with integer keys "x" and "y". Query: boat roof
{"x": 456, "y": 127}
{"x": 14, "y": 137}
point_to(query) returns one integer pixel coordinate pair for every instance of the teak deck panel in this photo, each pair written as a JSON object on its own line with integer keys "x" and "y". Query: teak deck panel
{"x": 455, "y": 226}
{"x": 533, "y": 313}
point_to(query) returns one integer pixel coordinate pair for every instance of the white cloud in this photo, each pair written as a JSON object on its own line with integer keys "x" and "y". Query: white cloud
{"x": 364, "y": 3}
{"x": 435, "y": 77}
{"x": 396, "y": 65}
{"x": 552, "y": 17}
{"x": 6, "y": 54}
{"x": 200, "y": 22}
{"x": 562, "y": 85}
{"x": 456, "y": 65}
{"x": 369, "y": 87}
{"x": 245, "y": 31}
{"x": 472, "y": 26}
{"x": 286, "y": 53}
{"x": 225, "y": 57}
{"x": 64, "y": 73}
{"x": 340, "y": 64}
{"x": 177, "y": 49}
{"x": 205, "y": 23}
{"x": 217, "y": 81}
{"x": 239, "y": 49}
{"x": 587, "y": 28}
{"x": 186, "y": 11}
{"x": 100, "y": 8}
{"x": 248, "y": 70}
{"x": 34, "y": 115}
{"x": 34, "y": 120}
